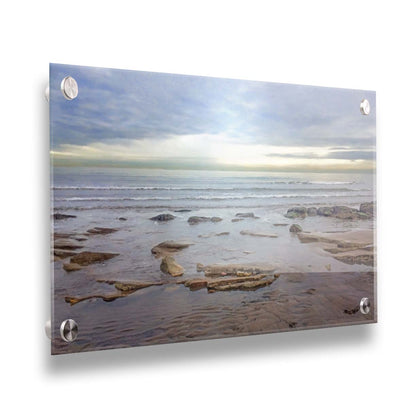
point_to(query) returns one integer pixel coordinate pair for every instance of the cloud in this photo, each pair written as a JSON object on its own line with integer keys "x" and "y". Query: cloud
{"x": 117, "y": 110}
{"x": 345, "y": 155}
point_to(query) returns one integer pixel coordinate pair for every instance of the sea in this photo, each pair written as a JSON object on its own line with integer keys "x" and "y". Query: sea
{"x": 87, "y": 188}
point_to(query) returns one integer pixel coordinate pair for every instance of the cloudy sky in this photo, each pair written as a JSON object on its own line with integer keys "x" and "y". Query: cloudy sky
{"x": 153, "y": 120}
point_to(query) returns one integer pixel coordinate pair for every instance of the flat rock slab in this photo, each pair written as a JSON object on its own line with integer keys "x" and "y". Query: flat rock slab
{"x": 246, "y": 215}
{"x": 125, "y": 288}
{"x": 102, "y": 230}
{"x": 63, "y": 254}
{"x": 214, "y": 235}
{"x": 238, "y": 270}
{"x": 67, "y": 244}
{"x": 197, "y": 220}
{"x": 73, "y": 300}
{"x": 356, "y": 239}
{"x": 128, "y": 286}
{"x": 256, "y": 234}
{"x": 351, "y": 247}
{"x": 251, "y": 282}
{"x": 71, "y": 267}
{"x": 357, "y": 257}
{"x": 168, "y": 247}
{"x": 86, "y": 258}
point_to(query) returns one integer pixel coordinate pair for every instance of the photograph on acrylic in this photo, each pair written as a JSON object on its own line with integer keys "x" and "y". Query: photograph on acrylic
{"x": 189, "y": 208}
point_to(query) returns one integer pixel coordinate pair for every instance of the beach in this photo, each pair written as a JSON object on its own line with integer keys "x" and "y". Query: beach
{"x": 253, "y": 252}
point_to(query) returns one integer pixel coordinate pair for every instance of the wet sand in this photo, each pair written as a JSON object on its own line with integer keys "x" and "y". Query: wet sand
{"x": 172, "y": 313}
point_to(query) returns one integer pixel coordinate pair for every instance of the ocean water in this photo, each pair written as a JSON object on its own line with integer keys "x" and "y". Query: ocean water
{"x": 98, "y": 197}
{"x": 152, "y": 189}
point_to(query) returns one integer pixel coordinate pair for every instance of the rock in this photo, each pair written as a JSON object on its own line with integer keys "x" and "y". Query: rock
{"x": 62, "y": 254}
{"x": 129, "y": 286}
{"x": 295, "y": 228}
{"x": 106, "y": 298}
{"x": 66, "y": 244}
{"x": 255, "y": 234}
{"x": 182, "y": 210}
{"x": 325, "y": 211}
{"x": 71, "y": 236}
{"x": 344, "y": 213}
{"x": 237, "y": 219}
{"x": 312, "y": 211}
{"x": 163, "y": 217}
{"x": 56, "y": 236}
{"x": 244, "y": 285}
{"x": 59, "y": 216}
{"x": 122, "y": 219}
{"x": 169, "y": 266}
{"x": 296, "y": 212}
{"x": 86, "y": 258}
{"x": 281, "y": 225}
{"x": 102, "y": 230}
{"x": 196, "y": 284}
{"x": 251, "y": 282}
{"x": 214, "y": 235}
{"x": 71, "y": 267}
{"x": 196, "y": 220}
{"x": 217, "y": 270}
{"x": 368, "y": 208}
{"x": 357, "y": 257}
{"x": 246, "y": 215}
{"x": 350, "y": 239}
{"x": 169, "y": 247}
{"x": 199, "y": 267}
{"x": 276, "y": 275}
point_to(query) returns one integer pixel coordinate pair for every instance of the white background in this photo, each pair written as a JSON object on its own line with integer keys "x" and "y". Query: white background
{"x": 344, "y": 371}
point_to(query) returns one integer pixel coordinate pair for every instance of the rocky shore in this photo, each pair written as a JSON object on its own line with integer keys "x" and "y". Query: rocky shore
{"x": 365, "y": 212}
{"x": 354, "y": 247}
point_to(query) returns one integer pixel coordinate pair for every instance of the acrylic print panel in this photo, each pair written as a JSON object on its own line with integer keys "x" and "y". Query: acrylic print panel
{"x": 189, "y": 208}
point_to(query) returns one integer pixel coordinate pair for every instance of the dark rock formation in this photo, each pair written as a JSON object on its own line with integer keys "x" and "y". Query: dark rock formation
{"x": 59, "y": 216}
{"x": 295, "y": 228}
{"x": 163, "y": 217}
{"x": 368, "y": 208}
{"x": 86, "y": 258}
{"x": 296, "y": 212}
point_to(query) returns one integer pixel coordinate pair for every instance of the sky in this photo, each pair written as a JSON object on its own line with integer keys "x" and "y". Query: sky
{"x": 155, "y": 120}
